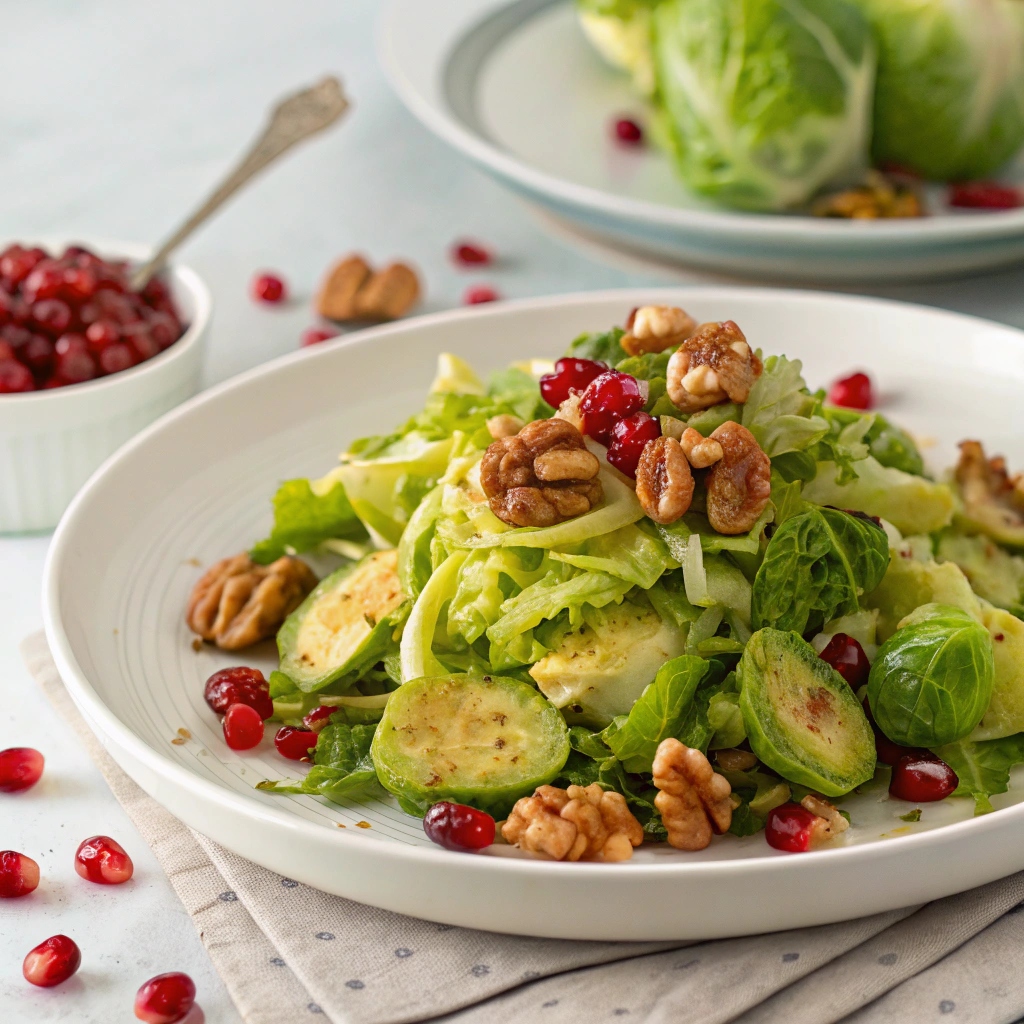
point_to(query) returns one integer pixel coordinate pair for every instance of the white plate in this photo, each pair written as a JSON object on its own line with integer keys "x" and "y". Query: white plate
{"x": 516, "y": 88}
{"x": 196, "y": 486}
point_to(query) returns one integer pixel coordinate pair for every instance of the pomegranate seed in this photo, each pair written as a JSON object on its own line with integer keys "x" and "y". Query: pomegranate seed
{"x": 457, "y": 827}
{"x": 480, "y": 293}
{"x": 6, "y": 351}
{"x": 571, "y": 376}
{"x": 52, "y": 961}
{"x": 15, "y": 378}
{"x": 20, "y": 768}
{"x": 17, "y": 263}
{"x": 891, "y": 753}
{"x": 469, "y": 254}
{"x": 269, "y": 288}
{"x": 984, "y": 195}
{"x": 71, "y": 344}
{"x": 38, "y": 355}
{"x": 239, "y": 685}
{"x": 243, "y": 727}
{"x": 790, "y": 827}
{"x": 155, "y": 292}
{"x": 164, "y": 329}
{"x": 295, "y": 744}
{"x": 19, "y": 875}
{"x": 101, "y": 333}
{"x": 51, "y": 315}
{"x": 102, "y": 860}
{"x": 629, "y": 436}
{"x": 853, "y": 392}
{"x": 140, "y": 341}
{"x": 16, "y": 335}
{"x": 79, "y": 283}
{"x": 165, "y": 999}
{"x": 315, "y": 335}
{"x": 627, "y": 131}
{"x": 75, "y": 367}
{"x": 115, "y": 358}
{"x": 318, "y": 717}
{"x": 44, "y": 282}
{"x": 607, "y": 399}
{"x": 847, "y": 657}
{"x": 922, "y": 779}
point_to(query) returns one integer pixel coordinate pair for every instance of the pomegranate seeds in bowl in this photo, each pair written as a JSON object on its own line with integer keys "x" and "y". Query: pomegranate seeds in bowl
{"x": 20, "y": 768}
{"x": 104, "y": 861}
{"x": 19, "y": 875}
{"x": 52, "y": 961}
{"x": 165, "y": 999}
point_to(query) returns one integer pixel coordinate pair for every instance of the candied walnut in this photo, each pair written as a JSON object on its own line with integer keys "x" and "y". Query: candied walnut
{"x": 992, "y": 499}
{"x": 337, "y": 297}
{"x": 830, "y": 822}
{"x": 714, "y": 365}
{"x": 580, "y": 823}
{"x": 655, "y": 329}
{"x": 569, "y": 411}
{"x": 739, "y": 484}
{"x": 878, "y": 197}
{"x": 352, "y": 290}
{"x": 237, "y": 602}
{"x": 693, "y": 801}
{"x": 664, "y": 483}
{"x": 541, "y": 476}
{"x": 504, "y": 425}
{"x": 701, "y": 451}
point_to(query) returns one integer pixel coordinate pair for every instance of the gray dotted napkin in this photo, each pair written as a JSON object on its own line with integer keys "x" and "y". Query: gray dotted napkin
{"x": 288, "y": 953}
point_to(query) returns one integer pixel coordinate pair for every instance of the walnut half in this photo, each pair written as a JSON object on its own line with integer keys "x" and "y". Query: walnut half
{"x": 714, "y": 365}
{"x": 541, "y": 476}
{"x": 655, "y": 329}
{"x": 237, "y": 602}
{"x": 694, "y": 802}
{"x": 580, "y": 823}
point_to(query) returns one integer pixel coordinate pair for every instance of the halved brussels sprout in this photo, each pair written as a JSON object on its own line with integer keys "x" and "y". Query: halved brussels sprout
{"x": 932, "y": 679}
{"x": 479, "y": 741}
{"x": 801, "y": 716}
{"x": 1005, "y": 713}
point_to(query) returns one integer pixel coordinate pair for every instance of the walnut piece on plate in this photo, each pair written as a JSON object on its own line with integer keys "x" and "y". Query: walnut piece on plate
{"x": 237, "y": 602}
{"x": 694, "y": 802}
{"x": 714, "y": 365}
{"x": 739, "y": 484}
{"x": 580, "y": 823}
{"x": 655, "y": 329}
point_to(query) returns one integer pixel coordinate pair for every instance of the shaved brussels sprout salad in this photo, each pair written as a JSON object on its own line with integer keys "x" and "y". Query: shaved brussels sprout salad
{"x": 652, "y": 596}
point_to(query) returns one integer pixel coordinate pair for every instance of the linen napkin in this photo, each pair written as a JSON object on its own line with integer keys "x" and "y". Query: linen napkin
{"x": 288, "y": 952}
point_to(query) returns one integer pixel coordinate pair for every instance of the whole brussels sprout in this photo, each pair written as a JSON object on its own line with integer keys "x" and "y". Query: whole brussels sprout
{"x": 932, "y": 680}
{"x": 950, "y": 97}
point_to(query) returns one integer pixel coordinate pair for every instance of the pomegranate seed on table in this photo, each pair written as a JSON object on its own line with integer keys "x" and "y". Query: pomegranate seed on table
{"x": 20, "y": 768}
{"x": 607, "y": 399}
{"x": 19, "y": 875}
{"x": 480, "y": 293}
{"x": 166, "y": 998}
{"x": 627, "y": 131}
{"x": 295, "y": 744}
{"x": 570, "y": 375}
{"x": 629, "y": 436}
{"x": 269, "y": 288}
{"x": 52, "y": 961}
{"x": 318, "y": 717}
{"x": 457, "y": 827}
{"x": 243, "y": 727}
{"x": 104, "y": 861}
{"x": 315, "y": 335}
{"x": 15, "y": 378}
{"x": 922, "y": 779}
{"x": 847, "y": 657}
{"x": 853, "y": 392}
{"x": 239, "y": 685}
{"x": 790, "y": 827}
{"x": 984, "y": 195}
{"x": 470, "y": 254}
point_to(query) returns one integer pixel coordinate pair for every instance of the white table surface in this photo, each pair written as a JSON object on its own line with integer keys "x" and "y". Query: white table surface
{"x": 115, "y": 118}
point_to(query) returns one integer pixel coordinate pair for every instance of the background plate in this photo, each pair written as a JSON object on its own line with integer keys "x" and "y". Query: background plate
{"x": 517, "y": 88}
{"x": 196, "y": 487}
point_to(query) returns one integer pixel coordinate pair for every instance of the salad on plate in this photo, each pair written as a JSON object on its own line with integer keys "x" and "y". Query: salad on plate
{"x": 657, "y": 592}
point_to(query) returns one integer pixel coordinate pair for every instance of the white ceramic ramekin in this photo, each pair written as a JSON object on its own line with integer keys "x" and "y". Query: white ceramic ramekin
{"x": 52, "y": 441}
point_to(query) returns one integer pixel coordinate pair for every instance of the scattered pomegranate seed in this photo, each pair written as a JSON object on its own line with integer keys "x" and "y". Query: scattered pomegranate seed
{"x": 19, "y": 875}
{"x": 607, "y": 399}
{"x": 295, "y": 744}
{"x": 102, "y": 860}
{"x": 627, "y": 131}
{"x": 52, "y": 961}
{"x": 480, "y": 293}
{"x": 269, "y": 288}
{"x": 243, "y": 727}
{"x": 165, "y": 999}
{"x": 470, "y": 254}
{"x": 629, "y": 436}
{"x": 318, "y": 717}
{"x": 315, "y": 335}
{"x": 847, "y": 657}
{"x": 571, "y": 376}
{"x": 20, "y": 768}
{"x": 922, "y": 779}
{"x": 984, "y": 195}
{"x": 457, "y": 827}
{"x": 853, "y": 392}
{"x": 15, "y": 378}
{"x": 790, "y": 827}
{"x": 239, "y": 685}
